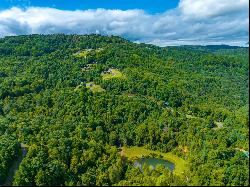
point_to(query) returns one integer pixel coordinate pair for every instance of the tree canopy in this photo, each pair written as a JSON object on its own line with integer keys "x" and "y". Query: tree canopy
{"x": 169, "y": 99}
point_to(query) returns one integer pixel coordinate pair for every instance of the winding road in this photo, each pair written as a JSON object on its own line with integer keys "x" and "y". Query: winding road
{"x": 15, "y": 166}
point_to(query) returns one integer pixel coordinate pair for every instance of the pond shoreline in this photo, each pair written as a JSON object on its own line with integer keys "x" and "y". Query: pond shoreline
{"x": 135, "y": 153}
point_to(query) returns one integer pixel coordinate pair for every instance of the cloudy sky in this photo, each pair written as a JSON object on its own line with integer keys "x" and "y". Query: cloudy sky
{"x": 160, "y": 22}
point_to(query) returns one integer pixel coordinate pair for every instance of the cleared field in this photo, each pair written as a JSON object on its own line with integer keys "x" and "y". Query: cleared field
{"x": 94, "y": 87}
{"x": 112, "y": 73}
{"x": 133, "y": 153}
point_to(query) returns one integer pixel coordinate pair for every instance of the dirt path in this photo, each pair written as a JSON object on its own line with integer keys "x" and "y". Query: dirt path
{"x": 15, "y": 166}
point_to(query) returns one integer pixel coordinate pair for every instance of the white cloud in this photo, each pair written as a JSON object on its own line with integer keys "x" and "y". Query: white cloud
{"x": 211, "y": 8}
{"x": 192, "y": 22}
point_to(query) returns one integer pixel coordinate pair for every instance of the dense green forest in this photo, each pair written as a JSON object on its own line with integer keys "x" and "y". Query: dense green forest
{"x": 75, "y": 100}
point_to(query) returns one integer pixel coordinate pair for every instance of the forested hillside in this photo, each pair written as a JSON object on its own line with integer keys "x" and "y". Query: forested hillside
{"x": 75, "y": 101}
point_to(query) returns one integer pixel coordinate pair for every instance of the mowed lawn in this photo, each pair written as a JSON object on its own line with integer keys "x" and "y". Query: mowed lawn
{"x": 113, "y": 73}
{"x": 136, "y": 152}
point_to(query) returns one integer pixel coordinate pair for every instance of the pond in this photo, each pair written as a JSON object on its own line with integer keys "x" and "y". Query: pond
{"x": 152, "y": 162}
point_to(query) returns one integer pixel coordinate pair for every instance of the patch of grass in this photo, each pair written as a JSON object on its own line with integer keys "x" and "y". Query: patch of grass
{"x": 133, "y": 153}
{"x": 128, "y": 94}
{"x": 94, "y": 87}
{"x": 112, "y": 73}
{"x": 191, "y": 117}
{"x": 82, "y": 53}
{"x": 24, "y": 146}
{"x": 78, "y": 86}
{"x": 99, "y": 50}
{"x": 218, "y": 124}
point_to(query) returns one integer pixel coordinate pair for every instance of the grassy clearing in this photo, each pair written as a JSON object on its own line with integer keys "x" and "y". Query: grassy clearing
{"x": 78, "y": 86}
{"x": 99, "y": 50}
{"x": 218, "y": 124}
{"x": 129, "y": 94}
{"x": 94, "y": 87}
{"x": 133, "y": 153}
{"x": 112, "y": 73}
{"x": 82, "y": 53}
{"x": 192, "y": 117}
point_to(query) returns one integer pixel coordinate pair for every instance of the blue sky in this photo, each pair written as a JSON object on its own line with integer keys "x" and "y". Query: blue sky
{"x": 150, "y": 6}
{"x": 159, "y": 22}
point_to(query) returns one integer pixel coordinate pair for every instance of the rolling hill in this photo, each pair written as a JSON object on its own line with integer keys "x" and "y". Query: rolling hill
{"x": 75, "y": 112}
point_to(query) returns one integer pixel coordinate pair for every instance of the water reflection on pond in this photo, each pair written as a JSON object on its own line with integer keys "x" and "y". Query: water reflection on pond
{"x": 152, "y": 162}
